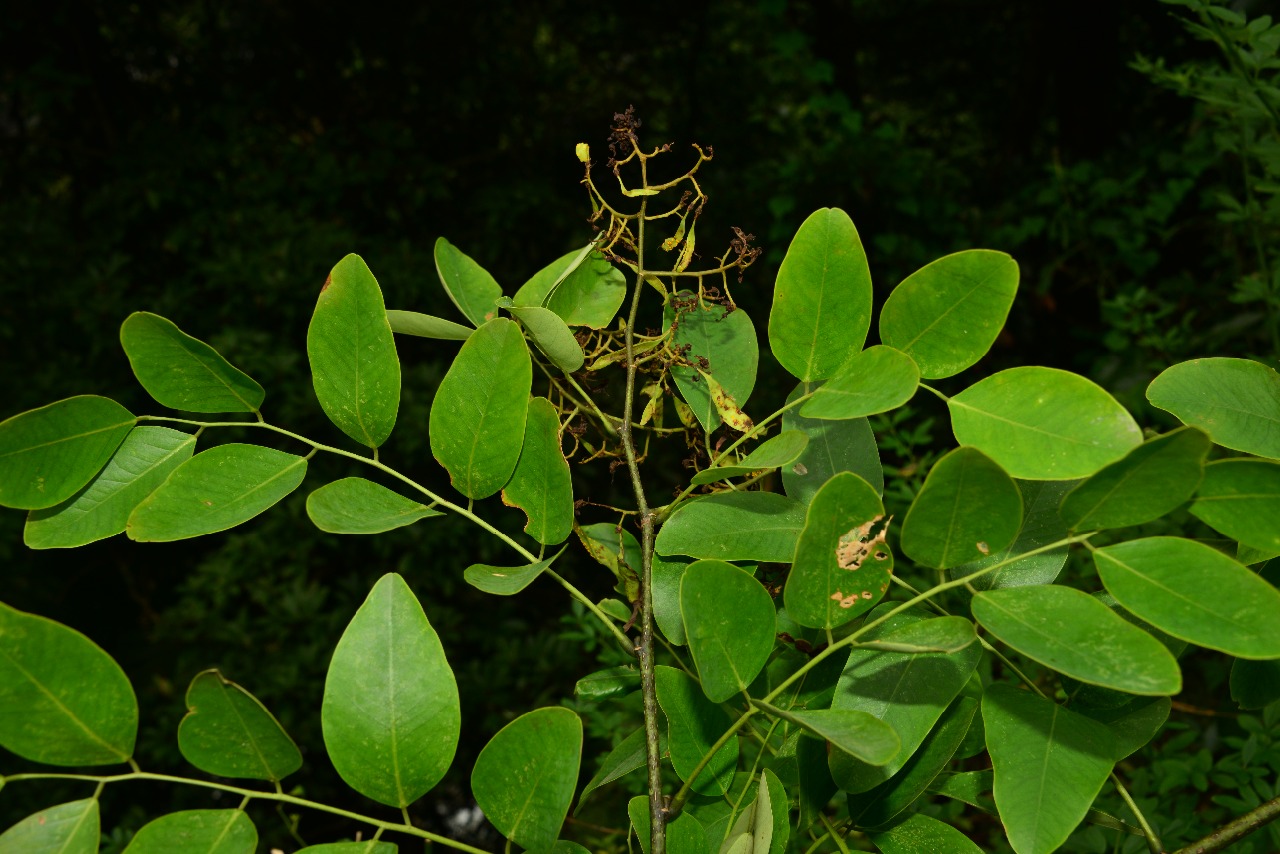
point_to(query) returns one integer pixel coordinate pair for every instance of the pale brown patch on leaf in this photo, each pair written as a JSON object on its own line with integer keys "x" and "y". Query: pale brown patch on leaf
{"x": 853, "y": 548}
{"x": 328, "y": 280}
{"x": 726, "y": 406}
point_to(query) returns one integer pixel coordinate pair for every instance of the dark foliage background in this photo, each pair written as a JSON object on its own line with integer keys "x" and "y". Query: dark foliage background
{"x": 210, "y": 161}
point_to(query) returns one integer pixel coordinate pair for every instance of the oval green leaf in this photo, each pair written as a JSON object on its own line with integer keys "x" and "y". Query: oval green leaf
{"x": 918, "y": 833}
{"x": 215, "y": 490}
{"x": 524, "y": 777}
{"x": 468, "y": 285}
{"x": 197, "y": 832}
{"x": 65, "y": 829}
{"x": 694, "y": 724}
{"x": 627, "y": 756}
{"x": 1043, "y": 423}
{"x": 721, "y": 343}
{"x": 907, "y": 691}
{"x": 939, "y": 634}
{"x": 1241, "y": 499}
{"x": 354, "y": 505}
{"x": 426, "y": 326}
{"x": 1147, "y": 483}
{"x": 581, "y": 286}
{"x": 1069, "y": 631}
{"x": 857, "y": 733}
{"x": 354, "y": 366}
{"x": 390, "y": 738}
{"x": 552, "y": 336}
{"x": 842, "y": 562}
{"x": 734, "y": 526}
{"x": 478, "y": 415}
{"x": 834, "y": 446}
{"x": 504, "y": 580}
{"x": 48, "y": 454}
{"x": 729, "y": 622}
{"x": 776, "y": 452}
{"x": 822, "y": 299}
{"x": 873, "y": 380}
{"x": 541, "y": 485}
{"x": 102, "y": 508}
{"x": 1041, "y": 526}
{"x": 1195, "y": 593}
{"x": 182, "y": 372}
{"x": 607, "y": 684}
{"x": 63, "y": 701}
{"x": 1050, "y": 763}
{"x": 1235, "y": 401}
{"x": 227, "y": 731}
{"x": 967, "y": 509}
{"x": 667, "y": 575}
{"x": 947, "y": 314}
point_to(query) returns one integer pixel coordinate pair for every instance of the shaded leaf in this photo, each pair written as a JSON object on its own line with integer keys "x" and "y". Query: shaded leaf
{"x": 197, "y": 832}
{"x": 48, "y": 454}
{"x": 610, "y": 683}
{"x": 354, "y": 366}
{"x": 581, "y": 286}
{"x": 937, "y": 634}
{"x": 101, "y": 508}
{"x": 694, "y": 724}
{"x": 1134, "y": 724}
{"x": 822, "y": 300}
{"x": 1235, "y": 401}
{"x": 426, "y": 326}
{"x": 1041, "y": 525}
{"x": 478, "y": 415}
{"x": 524, "y": 777}
{"x": 541, "y": 485}
{"x": 967, "y": 509}
{"x": 182, "y": 372}
{"x": 729, "y": 621}
{"x": 469, "y": 286}
{"x": 857, "y": 733}
{"x": 870, "y": 381}
{"x": 627, "y": 756}
{"x": 947, "y": 314}
{"x": 616, "y": 549}
{"x": 721, "y": 343}
{"x": 918, "y": 833}
{"x": 759, "y": 526}
{"x": 354, "y": 505}
{"x": 71, "y": 828}
{"x": 685, "y": 834}
{"x": 63, "y": 701}
{"x": 1241, "y": 499}
{"x": 1043, "y": 423}
{"x": 216, "y": 489}
{"x": 834, "y": 447}
{"x": 778, "y": 451}
{"x": 552, "y": 336}
{"x": 390, "y": 738}
{"x": 227, "y": 731}
{"x": 667, "y": 575}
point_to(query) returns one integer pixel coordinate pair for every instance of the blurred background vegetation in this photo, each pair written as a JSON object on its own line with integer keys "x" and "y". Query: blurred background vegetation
{"x": 210, "y": 162}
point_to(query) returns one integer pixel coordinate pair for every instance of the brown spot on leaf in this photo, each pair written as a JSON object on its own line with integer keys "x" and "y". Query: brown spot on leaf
{"x": 847, "y": 601}
{"x": 984, "y": 548}
{"x": 854, "y": 547}
{"x": 328, "y": 280}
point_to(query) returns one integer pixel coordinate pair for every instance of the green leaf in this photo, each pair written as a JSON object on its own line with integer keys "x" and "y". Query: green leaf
{"x": 354, "y": 505}
{"x": 370, "y": 846}
{"x": 721, "y": 343}
{"x": 759, "y": 526}
{"x": 1050, "y": 763}
{"x": 857, "y": 733}
{"x": 468, "y": 285}
{"x": 478, "y": 415}
{"x": 878, "y": 806}
{"x": 870, "y": 381}
{"x": 63, "y": 701}
{"x": 938, "y": 634}
{"x": 48, "y": 454}
{"x": 1235, "y": 401}
{"x": 1147, "y": 483}
{"x": 588, "y": 293}
{"x": 842, "y": 563}
{"x": 540, "y": 287}
{"x": 1195, "y": 593}
{"x": 909, "y": 692}
{"x": 729, "y": 621}
{"x": 780, "y": 825}
{"x": 101, "y": 508}
{"x": 627, "y": 756}
{"x": 616, "y": 549}
{"x": 524, "y": 777}
{"x": 947, "y": 314}
{"x": 197, "y": 832}
{"x": 967, "y": 509}
{"x": 1241, "y": 499}
{"x": 610, "y": 683}
{"x": 182, "y": 372}
{"x": 822, "y": 299}
{"x": 1041, "y": 525}
{"x": 71, "y": 828}
{"x": 426, "y": 326}
{"x": 215, "y": 490}
{"x": 390, "y": 738}
{"x": 667, "y": 575}
{"x": 685, "y": 834}
{"x": 552, "y": 336}
{"x": 782, "y": 449}
{"x": 541, "y": 485}
{"x": 834, "y": 447}
{"x": 1071, "y": 632}
{"x": 918, "y": 833}
{"x": 1043, "y": 423}
{"x": 352, "y": 350}
{"x": 694, "y": 724}
{"x": 227, "y": 731}
{"x": 504, "y": 580}
{"x": 1134, "y": 724}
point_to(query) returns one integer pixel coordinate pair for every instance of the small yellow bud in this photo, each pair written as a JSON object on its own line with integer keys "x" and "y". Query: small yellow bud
{"x": 584, "y": 152}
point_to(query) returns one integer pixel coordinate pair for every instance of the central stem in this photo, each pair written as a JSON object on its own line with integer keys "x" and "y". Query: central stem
{"x": 648, "y": 686}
